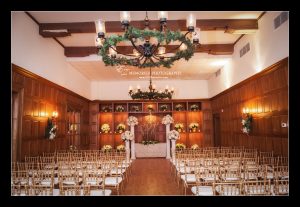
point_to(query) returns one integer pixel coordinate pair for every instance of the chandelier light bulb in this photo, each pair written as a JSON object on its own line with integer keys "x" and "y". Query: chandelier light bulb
{"x": 183, "y": 47}
{"x": 163, "y": 15}
{"x": 100, "y": 26}
{"x": 136, "y": 53}
{"x": 196, "y": 35}
{"x": 161, "y": 50}
{"x": 98, "y": 42}
{"x": 125, "y": 17}
{"x": 191, "y": 21}
{"x": 112, "y": 51}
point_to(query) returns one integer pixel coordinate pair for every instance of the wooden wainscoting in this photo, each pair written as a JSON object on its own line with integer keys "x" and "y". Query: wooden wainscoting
{"x": 266, "y": 96}
{"x": 40, "y": 97}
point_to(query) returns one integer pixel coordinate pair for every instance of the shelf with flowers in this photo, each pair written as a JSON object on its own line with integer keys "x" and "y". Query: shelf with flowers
{"x": 120, "y": 128}
{"x": 105, "y": 128}
{"x": 193, "y": 127}
{"x": 195, "y": 147}
{"x": 179, "y": 107}
{"x": 179, "y": 127}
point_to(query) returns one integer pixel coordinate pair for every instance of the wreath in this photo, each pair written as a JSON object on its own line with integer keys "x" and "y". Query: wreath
{"x": 133, "y": 33}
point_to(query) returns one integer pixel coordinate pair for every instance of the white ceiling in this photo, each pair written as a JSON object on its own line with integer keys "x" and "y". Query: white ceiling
{"x": 85, "y": 16}
{"x": 201, "y": 66}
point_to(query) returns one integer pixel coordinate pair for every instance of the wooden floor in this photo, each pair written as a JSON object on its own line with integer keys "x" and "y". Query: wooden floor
{"x": 151, "y": 176}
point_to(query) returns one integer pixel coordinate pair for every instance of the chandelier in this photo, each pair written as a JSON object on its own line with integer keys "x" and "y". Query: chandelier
{"x": 152, "y": 94}
{"x": 151, "y": 48}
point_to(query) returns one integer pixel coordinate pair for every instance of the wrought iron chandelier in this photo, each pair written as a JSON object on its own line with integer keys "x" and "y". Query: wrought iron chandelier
{"x": 152, "y": 94}
{"x": 149, "y": 46}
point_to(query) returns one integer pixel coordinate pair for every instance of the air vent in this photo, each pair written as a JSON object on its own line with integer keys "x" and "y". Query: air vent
{"x": 280, "y": 19}
{"x": 245, "y": 49}
{"x": 218, "y": 73}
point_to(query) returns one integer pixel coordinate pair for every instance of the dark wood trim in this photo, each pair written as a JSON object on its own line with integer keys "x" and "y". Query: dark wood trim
{"x": 150, "y": 101}
{"x": 261, "y": 15}
{"x": 29, "y": 74}
{"x": 215, "y": 49}
{"x": 260, "y": 74}
{"x": 59, "y": 42}
{"x": 34, "y": 19}
{"x": 115, "y": 26}
{"x": 238, "y": 39}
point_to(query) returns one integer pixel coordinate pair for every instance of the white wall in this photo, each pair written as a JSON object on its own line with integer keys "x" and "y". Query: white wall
{"x": 118, "y": 90}
{"x": 267, "y": 46}
{"x": 43, "y": 56}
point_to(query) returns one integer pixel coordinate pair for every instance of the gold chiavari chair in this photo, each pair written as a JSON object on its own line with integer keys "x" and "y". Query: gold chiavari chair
{"x": 281, "y": 172}
{"x": 74, "y": 190}
{"x": 202, "y": 187}
{"x": 32, "y": 159}
{"x": 281, "y": 161}
{"x": 231, "y": 174}
{"x": 257, "y": 187}
{"x": 281, "y": 187}
{"x": 42, "y": 190}
{"x": 227, "y": 188}
{"x": 113, "y": 179}
{"x": 266, "y": 154}
{"x": 188, "y": 178}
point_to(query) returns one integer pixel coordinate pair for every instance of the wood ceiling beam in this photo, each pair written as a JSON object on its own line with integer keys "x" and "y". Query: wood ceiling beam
{"x": 214, "y": 49}
{"x": 115, "y": 26}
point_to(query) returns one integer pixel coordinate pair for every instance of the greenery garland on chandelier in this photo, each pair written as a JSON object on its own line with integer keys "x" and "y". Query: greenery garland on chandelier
{"x": 135, "y": 34}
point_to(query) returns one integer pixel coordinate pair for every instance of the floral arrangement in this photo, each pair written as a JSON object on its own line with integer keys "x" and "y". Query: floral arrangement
{"x": 194, "y": 107}
{"x": 164, "y": 107}
{"x": 132, "y": 120}
{"x": 127, "y": 135}
{"x": 120, "y": 108}
{"x": 147, "y": 142}
{"x": 105, "y": 128}
{"x": 121, "y": 148}
{"x": 168, "y": 119}
{"x": 193, "y": 126}
{"x": 135, "y": 108}
{"x": 178, "y": 127}
{"x": 106, "y": 148}
{"x": 121, "y": 127}
{"x": 106, "y": 108}
{"x": 246, "y": 123}
{"x": 180, "y": 146}
{"x": 173, "y": 134}
{"x": 51, "y": 129}
{"x": 179, "y": 107}
{"x": 72, "y": 147}
{"x": 194, "y": 146}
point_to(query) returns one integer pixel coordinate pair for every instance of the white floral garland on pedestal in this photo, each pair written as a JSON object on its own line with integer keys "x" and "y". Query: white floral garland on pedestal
{"x": 167, "y": 120}
{"x": 132, "y": 121}
{"x": 173, "y": 136}
{"x": 127, "y": 136}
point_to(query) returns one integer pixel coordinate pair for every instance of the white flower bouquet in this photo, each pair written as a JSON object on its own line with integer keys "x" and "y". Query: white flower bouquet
{"x": 105, "y": 128}
{"x": 132, "y": 120}
{"x": 173, "y": 134}
{"x": 121, "y": 127}
{"x": 120, "y": 108}
{"x": 106, "y": 148}
{"x": 121, "y": 148}
{"x": 167, "y": 120}
{"x": 194, "y": 146}
{"x": 194, "y": 107}
{"x": 178, "y": 127}
{"x": 180, "y": 146}
{"x": 193, "y": 125}
{"x": 127, "y": 135}
{"x": 246, "y": 123}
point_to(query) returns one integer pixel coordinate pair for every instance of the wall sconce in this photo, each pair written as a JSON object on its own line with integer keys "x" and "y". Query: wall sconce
{"x": 54, "y": 114}
{"x": 43, "y": 114}
{"x": 246, "y": 111}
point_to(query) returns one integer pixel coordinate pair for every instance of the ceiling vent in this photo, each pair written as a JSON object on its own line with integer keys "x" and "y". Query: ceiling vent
{"x": 280, "y": 19}
{"x": 245, "y": 49}
{"x": 218, "y": 73}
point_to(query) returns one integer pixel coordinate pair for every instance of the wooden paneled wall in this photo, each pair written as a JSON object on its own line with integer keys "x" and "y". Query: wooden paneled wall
{"x": 266, "y": 96}
{"x": 40, "y": 96}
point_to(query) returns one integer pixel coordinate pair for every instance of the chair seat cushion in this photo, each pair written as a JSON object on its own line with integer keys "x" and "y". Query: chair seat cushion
{"x": 202, "y": 190}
